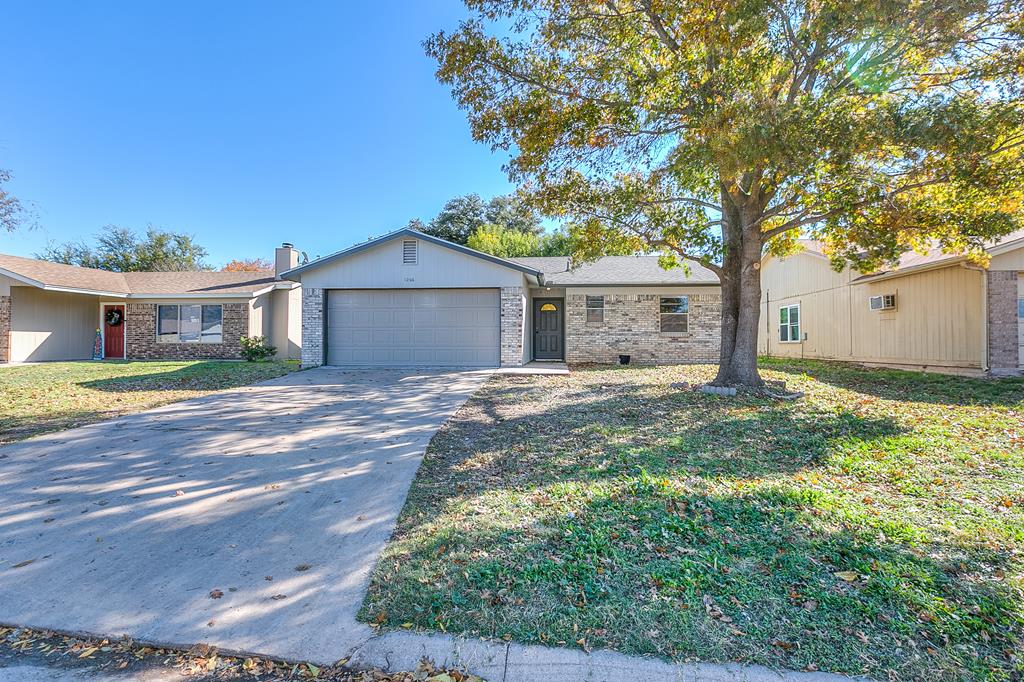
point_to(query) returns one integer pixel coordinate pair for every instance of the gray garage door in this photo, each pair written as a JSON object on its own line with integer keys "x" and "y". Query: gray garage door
{"x": 413, "y": 328}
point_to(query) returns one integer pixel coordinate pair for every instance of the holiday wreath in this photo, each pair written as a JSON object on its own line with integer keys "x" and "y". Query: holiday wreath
{"x": 114, "y": 317}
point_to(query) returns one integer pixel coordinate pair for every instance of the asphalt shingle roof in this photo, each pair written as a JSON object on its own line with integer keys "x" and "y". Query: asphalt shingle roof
{"x": 202, "y": 282}
{"x": 911, "y": 259}
{"x": 618, "y": 271}
{"x": 136, "y": 283}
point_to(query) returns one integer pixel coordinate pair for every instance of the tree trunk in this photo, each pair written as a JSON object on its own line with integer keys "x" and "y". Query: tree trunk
{"x": 741, "y": 296}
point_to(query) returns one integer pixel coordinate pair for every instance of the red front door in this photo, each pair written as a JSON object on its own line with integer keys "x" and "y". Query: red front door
{"x": 113, "y": 331}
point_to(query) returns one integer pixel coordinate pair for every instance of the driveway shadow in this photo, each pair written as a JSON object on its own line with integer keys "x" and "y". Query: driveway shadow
{"x": 249, "y": 519}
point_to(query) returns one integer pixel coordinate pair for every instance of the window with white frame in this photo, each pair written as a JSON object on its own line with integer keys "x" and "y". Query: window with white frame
{"x": 190, "y": 323}
{"x": 789, "y": 323}
{"x": 595, "y": 308}
{"x": 675, "y": 314}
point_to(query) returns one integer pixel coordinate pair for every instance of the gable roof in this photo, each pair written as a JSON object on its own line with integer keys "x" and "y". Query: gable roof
{"x": 936, "y": 257}
{"x": 47, "y": 275}
{"x": 414, "y": 234}
{"x": 911, "y": 261}
{"x": 619, "y": 271}
{"x": 71, "y": 278}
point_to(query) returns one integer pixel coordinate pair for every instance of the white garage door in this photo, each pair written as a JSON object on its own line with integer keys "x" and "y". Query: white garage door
{"x": 414, "y": 328}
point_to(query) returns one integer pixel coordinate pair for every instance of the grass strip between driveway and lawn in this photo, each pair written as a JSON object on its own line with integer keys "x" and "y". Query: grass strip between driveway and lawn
{"x": 54, "y": 396}
{"x": 875, "y": 527}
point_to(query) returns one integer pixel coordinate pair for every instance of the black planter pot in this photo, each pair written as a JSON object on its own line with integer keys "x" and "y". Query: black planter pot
{"x": 623, "y": 359}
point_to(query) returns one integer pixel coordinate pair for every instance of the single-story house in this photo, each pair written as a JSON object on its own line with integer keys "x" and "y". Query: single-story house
{"x": 412, "y": 299}
{"x": 932, "y": 311}
{"x": 51, "y": 311}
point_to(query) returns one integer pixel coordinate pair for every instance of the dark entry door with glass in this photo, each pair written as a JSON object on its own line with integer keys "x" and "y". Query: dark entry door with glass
{"x": 547, "y": 329}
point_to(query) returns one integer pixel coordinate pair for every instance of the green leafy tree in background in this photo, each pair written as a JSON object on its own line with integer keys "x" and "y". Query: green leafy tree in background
{"x": 505, "y": 226}
{"x": 122, "y": 250}
{"x": 711, "y": 129}
{"x": 459, "y": 218}
{"x": 11, "y": 210}
{"x": 462, "y": 216}
{"x": 503, "y": 242}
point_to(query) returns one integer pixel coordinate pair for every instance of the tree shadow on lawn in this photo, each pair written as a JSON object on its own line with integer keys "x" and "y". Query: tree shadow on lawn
{"x": 903, "y": 385}
{"x": 201, "y": 376}
{"x": 681, "y": 524}
{"x": 600, "y": 437}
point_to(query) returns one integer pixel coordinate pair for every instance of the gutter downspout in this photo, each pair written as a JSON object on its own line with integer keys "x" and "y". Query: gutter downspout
{"x": 985, "y": 356}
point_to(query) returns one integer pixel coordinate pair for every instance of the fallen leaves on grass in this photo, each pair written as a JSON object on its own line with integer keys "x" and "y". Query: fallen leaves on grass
{"x": 47, "y": 648}
{"x": 746, "y": 529}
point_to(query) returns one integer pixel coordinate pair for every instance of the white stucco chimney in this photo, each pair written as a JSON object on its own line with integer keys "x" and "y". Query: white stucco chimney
{"x": 286, "y": 257}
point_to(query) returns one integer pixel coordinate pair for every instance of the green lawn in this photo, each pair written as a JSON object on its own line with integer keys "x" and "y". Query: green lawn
{"x": 54, "y": 396}
{"x": 875, "y": 527}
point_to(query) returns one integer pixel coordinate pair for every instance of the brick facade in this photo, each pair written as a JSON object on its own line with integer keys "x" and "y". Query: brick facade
{"x": 5, "y": 328}
{"x": 513, "y": 309}
{"x": 141, "y": 343}
{"x": 312, "y": 327}
{"x": 632, "y": 327}
{"x": 1003, "y": 353}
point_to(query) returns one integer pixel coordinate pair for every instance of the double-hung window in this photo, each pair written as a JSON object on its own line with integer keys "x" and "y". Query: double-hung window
{"x": 789, "y": 323}
{"x": 595, "y": 308}
{"x": 674, "y": 312}
{"x": 189, "y": 323}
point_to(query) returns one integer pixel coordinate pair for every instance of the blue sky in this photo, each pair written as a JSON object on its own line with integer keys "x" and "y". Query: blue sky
{"x": 244, "y": 124}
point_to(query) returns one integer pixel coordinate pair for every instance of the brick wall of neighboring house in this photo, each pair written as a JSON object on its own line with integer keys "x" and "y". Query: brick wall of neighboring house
{"x": 140, "y": 336}
{"x": 513, "y": 305}
{"x": 632, "y": 327}
{"x": 1002, "y": 322}
{"x": 5, "y": 328}
{"x": 312, "y": 353}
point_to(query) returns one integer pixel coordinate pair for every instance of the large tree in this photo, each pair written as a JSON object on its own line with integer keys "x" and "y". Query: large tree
{"x": 122, "y": 250}
{"x": 712, "y": 129}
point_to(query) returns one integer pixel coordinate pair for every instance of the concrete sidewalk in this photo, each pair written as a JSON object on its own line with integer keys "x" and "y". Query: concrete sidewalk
{"x": 493, "y": 661}
{"x": 500, "y": 662}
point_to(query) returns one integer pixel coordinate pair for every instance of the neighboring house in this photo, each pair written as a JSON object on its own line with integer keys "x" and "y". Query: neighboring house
{"x": 51, "y": 311}
{"x": 932, "y": 311}
{"x": 411, "y": 299}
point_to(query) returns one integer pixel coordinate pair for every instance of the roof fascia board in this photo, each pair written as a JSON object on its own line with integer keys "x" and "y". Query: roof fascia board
{"x": 1008, "y": 246}
{"x": 21, "y": 278}
{"x": 892, "y": 274}
{"x": 406, "y": 232}
{"x": 232, "y": 294}
{"x": 90, "y": 292}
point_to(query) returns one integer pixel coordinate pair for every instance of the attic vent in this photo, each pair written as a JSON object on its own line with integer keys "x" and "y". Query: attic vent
{"x": 885, "y": 302}
{"x": 409, "y": 252}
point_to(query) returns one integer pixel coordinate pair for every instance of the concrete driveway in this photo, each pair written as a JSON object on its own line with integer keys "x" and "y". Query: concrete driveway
{"x": 250, "y": 519}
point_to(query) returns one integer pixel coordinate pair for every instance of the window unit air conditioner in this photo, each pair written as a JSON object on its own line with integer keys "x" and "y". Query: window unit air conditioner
{"x": 884, "y": 302}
